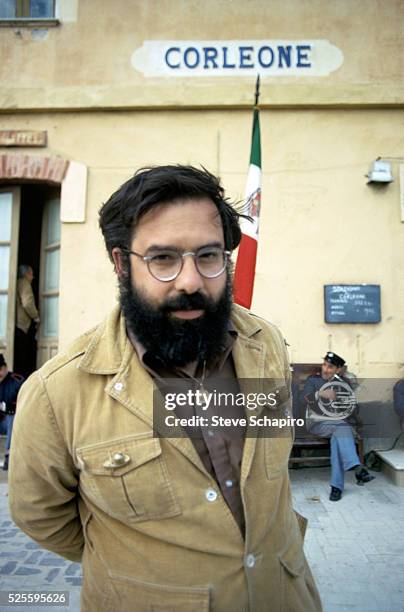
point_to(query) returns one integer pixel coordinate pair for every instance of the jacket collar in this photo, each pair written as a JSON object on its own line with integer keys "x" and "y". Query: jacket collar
{"x": 105, "y": 351}
{"x": 111, "y": 352}
{"x": 104, "y": 354}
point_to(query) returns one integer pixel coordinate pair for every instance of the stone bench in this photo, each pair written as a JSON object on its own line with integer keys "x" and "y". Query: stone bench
{"x": 393, "y": 465}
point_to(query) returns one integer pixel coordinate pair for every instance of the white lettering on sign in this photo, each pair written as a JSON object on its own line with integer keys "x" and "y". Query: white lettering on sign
{"x": 179, "y": 58}
{"x": 23, "y": 138}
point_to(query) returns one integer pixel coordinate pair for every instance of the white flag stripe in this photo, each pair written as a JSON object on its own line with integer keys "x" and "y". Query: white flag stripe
{"x": 253, "y": 183}
{"x": 253, "y": 180}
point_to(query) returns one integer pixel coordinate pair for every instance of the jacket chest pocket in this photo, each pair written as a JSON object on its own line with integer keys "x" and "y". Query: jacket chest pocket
{"x": 128, "y": 478}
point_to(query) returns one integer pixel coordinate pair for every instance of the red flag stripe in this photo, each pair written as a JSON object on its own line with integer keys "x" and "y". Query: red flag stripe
{"x": 245, "y": 271}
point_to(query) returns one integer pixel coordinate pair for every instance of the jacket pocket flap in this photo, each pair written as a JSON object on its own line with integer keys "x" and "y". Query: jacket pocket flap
{"x": 119, "y": 456}
{"x": 292, "y": 558}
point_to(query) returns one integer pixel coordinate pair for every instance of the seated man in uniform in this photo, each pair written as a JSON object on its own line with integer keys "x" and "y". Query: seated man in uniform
{"x": 343, "y": 451}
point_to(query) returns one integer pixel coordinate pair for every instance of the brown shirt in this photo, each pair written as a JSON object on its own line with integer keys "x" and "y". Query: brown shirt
{"x": 221, "y": 449}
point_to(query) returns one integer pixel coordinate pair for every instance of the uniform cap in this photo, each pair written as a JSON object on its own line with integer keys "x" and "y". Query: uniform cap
{"x": 334, "y": 359}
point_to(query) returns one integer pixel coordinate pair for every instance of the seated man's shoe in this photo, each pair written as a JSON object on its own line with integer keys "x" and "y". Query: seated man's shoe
{"x": 5, "y": 463}
{"x": 362, "y": 475}
{"x": 335, "y": 494}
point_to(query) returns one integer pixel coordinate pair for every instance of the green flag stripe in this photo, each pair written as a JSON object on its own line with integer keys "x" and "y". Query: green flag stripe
{"x": 255, "y": 157}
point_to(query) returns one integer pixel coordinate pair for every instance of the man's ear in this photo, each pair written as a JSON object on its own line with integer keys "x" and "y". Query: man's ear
{"x": 117, "y": 257}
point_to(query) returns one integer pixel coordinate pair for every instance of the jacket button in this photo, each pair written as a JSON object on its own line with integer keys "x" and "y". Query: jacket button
{"x": 211, "y": 495}
{"x": 118, "y": 386}
{"x": 250, "y": 561}
{"x": 119, "y": 458}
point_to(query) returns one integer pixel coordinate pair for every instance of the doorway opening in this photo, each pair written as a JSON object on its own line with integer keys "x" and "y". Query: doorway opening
{"x": 33, "y": 241}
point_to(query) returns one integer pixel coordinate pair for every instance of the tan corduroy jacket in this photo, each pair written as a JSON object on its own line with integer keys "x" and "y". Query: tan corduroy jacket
{"x": 26, "y": 309}
{"x": 154, "y": 534}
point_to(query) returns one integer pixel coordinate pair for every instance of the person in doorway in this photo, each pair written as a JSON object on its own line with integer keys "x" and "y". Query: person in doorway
{"x": 317, "y": 393}
{"x": 10, "y": 384}
{"x": 168, "y": 523}
{"x": 27, "y": 317}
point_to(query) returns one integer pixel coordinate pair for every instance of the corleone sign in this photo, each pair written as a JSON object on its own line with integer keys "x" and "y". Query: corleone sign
{"x": 352, "y": 303}
{"x": 179, "y": 58}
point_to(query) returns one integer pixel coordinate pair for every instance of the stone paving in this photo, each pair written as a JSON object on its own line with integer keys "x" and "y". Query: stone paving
{"x": 24, "y": 565}
{"x": 355, "y": 547}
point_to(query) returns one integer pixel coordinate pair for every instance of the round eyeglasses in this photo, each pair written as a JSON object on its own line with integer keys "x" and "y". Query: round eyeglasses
{"x": 166, "y": 265}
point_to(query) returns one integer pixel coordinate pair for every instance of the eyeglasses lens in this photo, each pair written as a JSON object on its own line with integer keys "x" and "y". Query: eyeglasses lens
{"x": 166, "y": 265}
{"x": 210, "y": 262}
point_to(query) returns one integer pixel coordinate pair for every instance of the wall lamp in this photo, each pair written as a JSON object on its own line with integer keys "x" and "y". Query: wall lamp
{"x": 380, "y": 172}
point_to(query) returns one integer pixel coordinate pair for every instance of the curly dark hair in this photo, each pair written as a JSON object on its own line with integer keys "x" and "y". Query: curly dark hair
{"x": 155, "y": 185}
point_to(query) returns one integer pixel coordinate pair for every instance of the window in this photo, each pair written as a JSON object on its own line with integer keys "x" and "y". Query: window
{"x": 9, "y": 219}
{"x": 27, "y": 9}
{"x": 6, "y": 202}
{"x": 50, "y": 257}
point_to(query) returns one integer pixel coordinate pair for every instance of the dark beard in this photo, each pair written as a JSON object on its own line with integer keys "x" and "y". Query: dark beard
{"x": 172, "y": 341}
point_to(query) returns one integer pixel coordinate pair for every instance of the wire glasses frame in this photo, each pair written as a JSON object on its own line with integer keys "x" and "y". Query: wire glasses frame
{"x": 166, "y": 265}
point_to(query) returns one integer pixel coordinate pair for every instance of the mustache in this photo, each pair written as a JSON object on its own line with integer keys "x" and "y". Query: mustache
{"x": 193, "y": 301}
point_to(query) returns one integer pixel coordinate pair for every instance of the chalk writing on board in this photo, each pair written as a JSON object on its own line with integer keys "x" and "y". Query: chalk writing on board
{"x": 352, "y": 303}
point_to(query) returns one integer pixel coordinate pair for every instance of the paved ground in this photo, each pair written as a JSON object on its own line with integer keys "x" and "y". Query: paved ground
{"x": 355, "y": 547}
{"x": 24, "y": 565}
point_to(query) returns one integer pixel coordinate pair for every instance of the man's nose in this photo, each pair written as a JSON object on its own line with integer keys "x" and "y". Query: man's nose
{"x": 189, "y": 280}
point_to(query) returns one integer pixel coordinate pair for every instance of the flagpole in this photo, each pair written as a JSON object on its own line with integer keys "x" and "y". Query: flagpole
{"x": 257, "y": 90}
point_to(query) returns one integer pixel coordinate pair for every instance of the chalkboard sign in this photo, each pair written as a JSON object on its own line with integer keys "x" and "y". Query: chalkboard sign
{"x": 352, "y": 303}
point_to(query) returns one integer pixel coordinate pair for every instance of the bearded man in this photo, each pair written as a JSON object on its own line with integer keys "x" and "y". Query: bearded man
{"x": 175, "y": 523}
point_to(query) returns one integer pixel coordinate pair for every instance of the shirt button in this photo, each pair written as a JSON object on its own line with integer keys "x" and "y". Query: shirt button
{"x": 211, "y": 495}
{"x": 229, "y": 483}
{"x": 211, "y": 433}
{"x": 250, "y": 561}
{"x": 118, "y": 386}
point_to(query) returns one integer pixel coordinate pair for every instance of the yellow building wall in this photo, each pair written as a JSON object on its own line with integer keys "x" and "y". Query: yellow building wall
{"x": 86, "y": 61}
{"x": 320, "y": 221}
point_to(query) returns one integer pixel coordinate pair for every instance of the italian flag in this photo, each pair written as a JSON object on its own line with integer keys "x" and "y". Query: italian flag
{"x": 243, "y": 285}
